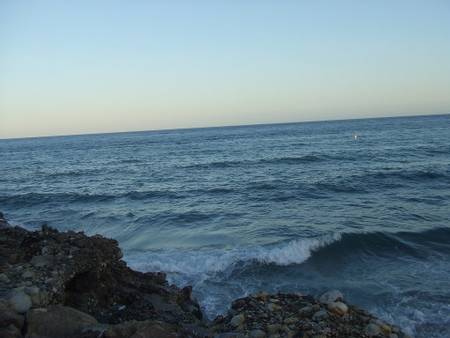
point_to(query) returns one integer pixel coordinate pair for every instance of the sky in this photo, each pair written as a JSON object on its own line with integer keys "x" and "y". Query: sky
{"x": 72, "y": 67}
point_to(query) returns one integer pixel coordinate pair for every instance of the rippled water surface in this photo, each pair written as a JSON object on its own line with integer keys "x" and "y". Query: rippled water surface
{"x": 234, "y": 210}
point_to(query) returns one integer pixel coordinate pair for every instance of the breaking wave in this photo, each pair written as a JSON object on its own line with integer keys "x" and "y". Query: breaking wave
{"x": 326, "y": 248}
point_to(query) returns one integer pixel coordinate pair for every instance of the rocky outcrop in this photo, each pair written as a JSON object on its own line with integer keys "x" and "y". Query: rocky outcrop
{"x": 296, "y": 315}
{"x": 43, "y": 269}
{"x": 55, "y": 284}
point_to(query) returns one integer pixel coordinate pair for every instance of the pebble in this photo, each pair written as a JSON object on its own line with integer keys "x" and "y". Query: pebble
{"x": 372, "y": 330}
{"x": 273, "y": 328}
{"x": 306, "y": 311}
{"x": 273, "y": 307}
{"x": 291, "y": 320}
{"x": 27, "y": 274}
{"x": 319, "y": 315}
{"x": 237, "y": 320}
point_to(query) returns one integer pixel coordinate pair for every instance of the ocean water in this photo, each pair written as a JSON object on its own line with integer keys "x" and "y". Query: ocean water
{"x": 288, "y": 207}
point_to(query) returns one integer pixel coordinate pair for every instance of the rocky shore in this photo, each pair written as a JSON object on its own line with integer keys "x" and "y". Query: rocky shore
{"x": 55, "y": 284}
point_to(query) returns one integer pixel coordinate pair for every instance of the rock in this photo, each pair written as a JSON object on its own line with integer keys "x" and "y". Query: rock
{"x": 273, "y": 307}
{"x": 385, "y": 328}
{"x": 37, "y": 298}
{"x": 20, "y": 301}
{"x": 273, "y": 328}
{"x": 338, "y": 308}
{"x": 10, "y": 332}
{"x": 291, "y": 320}
{"x": 306, "y": 311}
{"x": 331, "y": 296}
{"x": 58, "y": 321}
{"x": 42, "y": 261}
{"x": 229, "y": 335}
{"x": 372, "y": 330}
{"x": 87, "y": 273}
{"x": 257, "y": 334}
{"x": 10, "y": 317}
{"x": 4, "y": 278}
{"x": 319, "y": 315}
{"x": 3, "y": 222}
{"x": 237, "y": 320}
{"x": 28, "y": 274}
{"x": 262, "y": 295}
{"x": 142, "y": 329}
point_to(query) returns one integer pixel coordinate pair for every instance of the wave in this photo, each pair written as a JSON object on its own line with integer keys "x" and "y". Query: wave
{"x": 69, "y": 173}
{"x": 413, "y": 175}
{"x": 294, "y": 160}
{"x": 33, "y": 199}
{"x": 315, "y": 250}
{"x": 277, "y": 160}
{"x": 216, "y": 260}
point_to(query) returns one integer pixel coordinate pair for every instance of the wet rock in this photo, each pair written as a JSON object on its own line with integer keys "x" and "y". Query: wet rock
{"x": 57, "y": 321}
{"x": 331, "y": 296}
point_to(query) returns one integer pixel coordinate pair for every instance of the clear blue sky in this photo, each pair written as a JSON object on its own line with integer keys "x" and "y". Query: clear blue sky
{"x": 97, "y": 66}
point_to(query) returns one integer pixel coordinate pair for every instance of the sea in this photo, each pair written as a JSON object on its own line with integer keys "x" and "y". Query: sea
{"x": 362, "y": 206}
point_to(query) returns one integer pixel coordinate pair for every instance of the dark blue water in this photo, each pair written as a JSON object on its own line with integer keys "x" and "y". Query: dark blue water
{"x": 303, "y": 207}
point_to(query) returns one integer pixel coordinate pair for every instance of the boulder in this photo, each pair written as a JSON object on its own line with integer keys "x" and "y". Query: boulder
{"x": 339, "y": 308}
{"x": 141, "y": 329}
{"x": 57, "y": 321}
{"x": 8, "y": 316}
{"x": 20, "y": 301}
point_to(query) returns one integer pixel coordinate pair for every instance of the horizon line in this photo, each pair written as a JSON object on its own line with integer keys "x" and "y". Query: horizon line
{"x": 224, "y": 126}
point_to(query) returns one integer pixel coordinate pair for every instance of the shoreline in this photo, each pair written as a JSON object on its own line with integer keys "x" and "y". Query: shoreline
{"x": 67, "y": 284}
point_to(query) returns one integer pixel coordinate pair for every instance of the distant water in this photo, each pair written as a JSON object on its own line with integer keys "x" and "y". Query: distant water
{"x": 234, "y": 210}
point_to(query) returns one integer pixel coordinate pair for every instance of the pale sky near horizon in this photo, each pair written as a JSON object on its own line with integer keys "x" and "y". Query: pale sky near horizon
{"x": 71, "y": 67}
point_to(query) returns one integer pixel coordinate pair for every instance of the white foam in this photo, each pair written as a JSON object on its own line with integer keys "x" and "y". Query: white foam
{"x": 208, "y": 261}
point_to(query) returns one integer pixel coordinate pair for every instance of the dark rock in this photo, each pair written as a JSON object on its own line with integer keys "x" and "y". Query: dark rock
{"x": 3, "y": 222}
{"x": 10, "y": 331}
{"x": 87, "y": 273}
{"x": 8, "y": 316}
{"x": 57, "y": 321}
